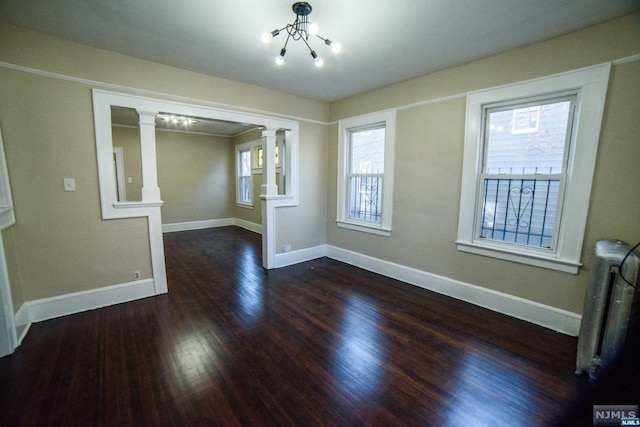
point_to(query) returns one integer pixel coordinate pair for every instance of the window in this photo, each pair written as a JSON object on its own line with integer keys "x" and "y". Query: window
{"x": 524, "y": 171}
{"x": 280, "y": 161}
{"x": 243, "y": 165}
{"x": 259, "y": 155}
{"x": 529, "y": 157}
{"x": 365, "y": 180}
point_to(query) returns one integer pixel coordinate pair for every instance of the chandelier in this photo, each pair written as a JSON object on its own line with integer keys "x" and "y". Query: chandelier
{"x": 301, "y": 29}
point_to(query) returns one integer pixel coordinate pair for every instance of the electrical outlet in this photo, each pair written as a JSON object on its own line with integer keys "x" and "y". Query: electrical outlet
{"x": 69, "y": 184}
{"x": 136, "y": 275}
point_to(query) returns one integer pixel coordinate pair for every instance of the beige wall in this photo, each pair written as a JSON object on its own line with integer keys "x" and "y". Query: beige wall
{"x": 310, "y": 225}
{"x": 62, "y": 245}
{"x": 429, "y": 148}
{"x": 195, "y": 176}
{"x": 129, "y": 139}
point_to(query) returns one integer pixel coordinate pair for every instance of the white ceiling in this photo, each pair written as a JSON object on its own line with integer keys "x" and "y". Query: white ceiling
{"x": 383, "y": 41}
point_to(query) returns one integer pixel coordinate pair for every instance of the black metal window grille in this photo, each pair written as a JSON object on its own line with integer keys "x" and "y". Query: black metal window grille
{"x": 365, "y": 197}
{"x": 520, "y": 211}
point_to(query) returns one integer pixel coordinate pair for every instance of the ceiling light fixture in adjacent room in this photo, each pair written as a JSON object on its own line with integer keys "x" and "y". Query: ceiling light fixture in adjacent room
{"x": 176, "y": 120}
{"x": 301, "y": 29}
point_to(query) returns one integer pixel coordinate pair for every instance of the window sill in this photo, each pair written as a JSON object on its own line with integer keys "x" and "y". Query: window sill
{"x": 508, "y": 254}
{"x": 377, "y": 230}
{"x": 139, "y": 204}
{"x": 244, "y": 205}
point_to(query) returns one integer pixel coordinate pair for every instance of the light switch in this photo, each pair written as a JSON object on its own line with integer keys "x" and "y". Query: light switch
{"x": 69, "y": 184}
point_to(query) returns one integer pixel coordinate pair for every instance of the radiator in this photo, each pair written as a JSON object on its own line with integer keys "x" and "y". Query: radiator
{"x": 607, "y": 306}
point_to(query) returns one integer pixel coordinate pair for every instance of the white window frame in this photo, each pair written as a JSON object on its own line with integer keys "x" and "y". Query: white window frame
{"x": 387, "y": 119}
{"x": 243, "y": 148}
{"x": 590, "y": 86}
{"x": 258, "y": 152}
{"x": 560, "y": 176}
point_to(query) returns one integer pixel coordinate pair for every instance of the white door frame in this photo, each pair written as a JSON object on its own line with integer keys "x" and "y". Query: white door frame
{"x": 118, "y": 159}
{"x": 8, "y": 334}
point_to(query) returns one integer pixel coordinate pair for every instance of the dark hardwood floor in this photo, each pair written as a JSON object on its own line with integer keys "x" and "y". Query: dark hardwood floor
{"x": 315, "y": 344}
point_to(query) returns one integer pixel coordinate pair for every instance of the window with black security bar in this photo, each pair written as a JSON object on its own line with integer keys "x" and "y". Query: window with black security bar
{"x": 366, "y": 173}
{"x": 525, "y": 149}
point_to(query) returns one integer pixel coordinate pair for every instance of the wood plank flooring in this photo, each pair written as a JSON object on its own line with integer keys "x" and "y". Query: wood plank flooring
{"x": 315, "y": 344}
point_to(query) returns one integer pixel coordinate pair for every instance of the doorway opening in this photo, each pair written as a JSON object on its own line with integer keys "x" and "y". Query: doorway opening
{"x": 136, "y": 190}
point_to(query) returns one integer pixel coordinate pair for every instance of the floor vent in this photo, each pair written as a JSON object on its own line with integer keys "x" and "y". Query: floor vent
{"x": 607, "y": 305}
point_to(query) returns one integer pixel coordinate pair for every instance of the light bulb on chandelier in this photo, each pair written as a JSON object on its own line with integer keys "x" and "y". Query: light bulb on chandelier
{"x": 300, "y": 30}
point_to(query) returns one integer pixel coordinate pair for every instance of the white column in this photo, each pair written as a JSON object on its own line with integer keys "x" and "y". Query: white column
{"x": 150, "y": 190}
{"x": 151, "y": 193}
{"x": 268, "y": 191}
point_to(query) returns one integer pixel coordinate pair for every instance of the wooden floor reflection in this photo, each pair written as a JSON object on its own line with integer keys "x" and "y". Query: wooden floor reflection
{"x": 315, "y": 344}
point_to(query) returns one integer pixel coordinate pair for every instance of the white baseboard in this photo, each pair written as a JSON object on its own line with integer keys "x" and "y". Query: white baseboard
{"x": 49, "y": 308}
{"x": 251, "y": 226}
{"x": 196, "y": 225}
{"x": 211, "y": 223}
{"x": 302, "y": 255}
{"x": 550, "y": 317}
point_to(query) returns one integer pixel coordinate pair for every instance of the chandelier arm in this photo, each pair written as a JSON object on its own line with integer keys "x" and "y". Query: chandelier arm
{"x": 305, "y": 42}
{"x": 288, "y": 37}
{"x": 281, "y": 29}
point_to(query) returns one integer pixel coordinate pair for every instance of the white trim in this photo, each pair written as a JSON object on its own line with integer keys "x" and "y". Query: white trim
{"x": 165, "y": 95}
{"x": 247, "y": 225}
{"x": 430, "y": 101}
{"x": 388, "y": 117}
{"x": 7, "y": 212}
{"x": 197, "y": 225}
{"x": 626, "y": 59}
{"x": 239, "y": 149}
{"x": 380, "y": 231}
{"x": 301, "y": 255}
{"x": 50, "y": 308}
{"x": 564, "y": 265}
{"x": 9, "y": 335}
{"x": 138, "y": 205}
{"x": 244, "y": 205}
{"x": 590, "y": 85}
{"x": 540, "y": 314}
{"x": 118, "y": 157}
{"x": 23, "y": 323}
